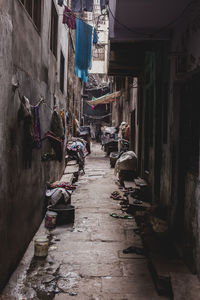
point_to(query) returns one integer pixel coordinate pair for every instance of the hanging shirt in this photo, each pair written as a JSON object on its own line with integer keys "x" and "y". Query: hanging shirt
{"x": 69, "y": 18}
{"x": 95, "y": 37}
{"x": 88, "y": 5}
{"x": 83, "y": 52}
{"x": 103, "y": 4}
{"x": 60, "y": 2}
{"x": 76, "y": 5}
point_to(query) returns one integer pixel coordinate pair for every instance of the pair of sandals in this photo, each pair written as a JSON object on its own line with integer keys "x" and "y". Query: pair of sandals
{"x": 114, "y": 215}
{"x": 133, "y": 249}
{"x": 116, "y": 196}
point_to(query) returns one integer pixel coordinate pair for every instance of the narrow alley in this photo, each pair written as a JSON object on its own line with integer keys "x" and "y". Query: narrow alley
{"x": 86, "y": 258}
{"x": 99, "y": 149}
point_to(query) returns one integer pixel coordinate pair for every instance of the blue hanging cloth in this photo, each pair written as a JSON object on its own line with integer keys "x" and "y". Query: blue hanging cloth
{"x": 83, "y": 53}
{"x": 95, "y": 37}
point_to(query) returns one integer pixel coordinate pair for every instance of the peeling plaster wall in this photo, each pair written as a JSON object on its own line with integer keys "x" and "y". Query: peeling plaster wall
{"x": 25, "y": 55}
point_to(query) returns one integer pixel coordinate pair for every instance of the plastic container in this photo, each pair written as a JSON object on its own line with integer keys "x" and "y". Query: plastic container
{"x": 50, "y": 219}
{"x": 41, "y": 245}
{"x": 66, "y": 213}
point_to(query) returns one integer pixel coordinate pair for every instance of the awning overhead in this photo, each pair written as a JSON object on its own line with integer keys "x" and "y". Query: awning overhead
{"x": 105, "y": 99}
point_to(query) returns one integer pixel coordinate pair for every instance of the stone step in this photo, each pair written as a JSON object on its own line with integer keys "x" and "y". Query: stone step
{"x": 140, "y": 182}
{"x": 137, "y": 207}
{"x": 185, "y": 286}
{"x": 67, "y": 178}
{"x": 161, "y": 269}
{"x": 71, "y": 163}
{"x": 163, "y": 260}
{"x": 129, "y": 184}
{"x": 70, "y": 169}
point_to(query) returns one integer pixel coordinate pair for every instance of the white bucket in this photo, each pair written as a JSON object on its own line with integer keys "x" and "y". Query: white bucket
{"x": 41, "y": 247}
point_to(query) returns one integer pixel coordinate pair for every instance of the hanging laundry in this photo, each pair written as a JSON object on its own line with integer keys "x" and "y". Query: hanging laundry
{"x": 56, "y": 144}
{"x": 69, "y": 18}
{"x": 57, "y": 124}
{"x": 62, "y": 113}
{"x": 88, "y": 5}
{"x": 60, "y": 2}
{"x": 103, "y": 4}
{"x": 67, "y": 117}
{"x": 25, "y": 115}
{"x": 95, "y": 37}
{"x": 37, "y": 131}
{"x": 76, "y": 5}
{"x": 83, "y": 52}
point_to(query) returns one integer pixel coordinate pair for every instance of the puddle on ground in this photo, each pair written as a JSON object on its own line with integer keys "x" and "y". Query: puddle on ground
{"x": 47, "y": 277}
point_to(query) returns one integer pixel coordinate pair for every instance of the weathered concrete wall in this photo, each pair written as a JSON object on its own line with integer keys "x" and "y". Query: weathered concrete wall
{"x": 25, "y": 55}
{"x": 186, "y": 40}
{"x": 6, "y": 29}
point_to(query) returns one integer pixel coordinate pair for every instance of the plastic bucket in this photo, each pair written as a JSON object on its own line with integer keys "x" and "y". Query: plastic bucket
{"x": 41, "y": 245}
{"x": 50, "y": 219}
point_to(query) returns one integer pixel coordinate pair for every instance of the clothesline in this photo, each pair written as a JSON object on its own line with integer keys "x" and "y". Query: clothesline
{"x": 41, "y": 101}
{"x": 83, "y": 5}
{"x": 72, "y": 13}
{"x": 97, "y": 117}
{"x": 71, "y": 18}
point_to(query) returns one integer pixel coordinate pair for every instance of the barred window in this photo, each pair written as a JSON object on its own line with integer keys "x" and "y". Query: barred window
{"x": 33, "y": 7}
{"x": 54, "y": 30}
{"x": 99, "y": 53}
{"x": 62, "y": 71}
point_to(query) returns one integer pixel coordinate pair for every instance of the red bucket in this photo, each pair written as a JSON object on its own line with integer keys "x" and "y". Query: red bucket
{"x": 50, "y": 219}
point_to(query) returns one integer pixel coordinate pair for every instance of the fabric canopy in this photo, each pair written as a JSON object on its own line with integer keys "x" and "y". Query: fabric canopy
{"x": 105, "y": 99}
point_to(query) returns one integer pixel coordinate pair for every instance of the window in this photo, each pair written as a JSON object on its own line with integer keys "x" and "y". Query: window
{"x": 54, "y": 30}
{"x": 62, "y": 71}
{"x": 99, "y": 54}
{"x": 33, "y": 8}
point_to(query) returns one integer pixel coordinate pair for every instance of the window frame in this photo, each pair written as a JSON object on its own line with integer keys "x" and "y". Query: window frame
{"x": 54, "y": 30}
{"x": 34, "y": 10}
{"x": 62, "y": 71}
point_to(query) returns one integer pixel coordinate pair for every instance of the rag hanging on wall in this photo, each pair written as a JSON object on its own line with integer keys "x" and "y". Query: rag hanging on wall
{"x": 56, "y": 135}
{"x": 37, "y": 131}
{"x": 31, "y": 128}
{"x": 25, "y": 115}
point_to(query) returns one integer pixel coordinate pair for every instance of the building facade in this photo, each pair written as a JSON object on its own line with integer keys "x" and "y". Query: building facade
{"x": 33, "y": 63}
{"x": 161, "y": 50}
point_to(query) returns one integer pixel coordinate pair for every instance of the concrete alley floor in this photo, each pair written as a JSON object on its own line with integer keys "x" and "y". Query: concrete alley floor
{"x": 86, "y": 259}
